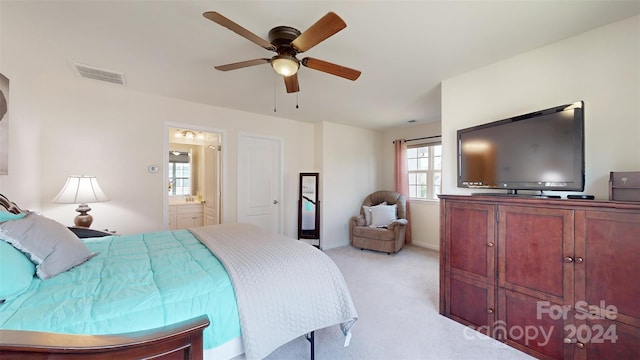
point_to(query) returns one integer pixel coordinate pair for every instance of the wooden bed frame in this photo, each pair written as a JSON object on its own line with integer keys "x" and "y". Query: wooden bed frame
{"x": 181, "y": 340}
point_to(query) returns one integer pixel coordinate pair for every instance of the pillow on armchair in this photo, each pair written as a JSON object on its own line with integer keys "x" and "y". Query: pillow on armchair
{"x": 383, "y": 215}
{"x": 367, "y": 212}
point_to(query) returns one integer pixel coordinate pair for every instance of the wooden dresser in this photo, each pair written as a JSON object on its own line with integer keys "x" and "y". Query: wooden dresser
{"x": 555, "y": 278}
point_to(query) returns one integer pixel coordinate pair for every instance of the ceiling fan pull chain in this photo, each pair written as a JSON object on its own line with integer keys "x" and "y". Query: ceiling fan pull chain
{"x": 274, "y": 93}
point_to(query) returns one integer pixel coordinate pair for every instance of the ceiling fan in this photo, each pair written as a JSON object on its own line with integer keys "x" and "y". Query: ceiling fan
{"x": 287, "y": 42}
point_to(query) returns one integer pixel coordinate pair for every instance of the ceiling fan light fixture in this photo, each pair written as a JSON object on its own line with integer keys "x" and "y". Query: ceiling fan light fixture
{"x": 285, "y": 65}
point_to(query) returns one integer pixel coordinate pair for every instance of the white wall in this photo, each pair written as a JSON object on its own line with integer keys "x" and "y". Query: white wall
{"x": 350, "y": 171}
{"x": 425, "y": 214}
{"x": 601, "y": 67}
{"x": 108, "y": 131}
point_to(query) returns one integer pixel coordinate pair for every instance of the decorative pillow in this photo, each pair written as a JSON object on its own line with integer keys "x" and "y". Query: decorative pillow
{"x": 383, "y": 215}
{"x": 50, "y": 245}
{"x": 367, "y": 212}
{"x": 16, "y": 272}
{"x": 6, "y": 216}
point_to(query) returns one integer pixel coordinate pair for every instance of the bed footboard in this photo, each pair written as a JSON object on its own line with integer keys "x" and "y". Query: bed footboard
{"x": 182, "y": 340}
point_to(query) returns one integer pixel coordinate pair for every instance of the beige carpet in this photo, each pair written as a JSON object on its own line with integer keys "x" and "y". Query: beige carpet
{"x": 397, "y": 301}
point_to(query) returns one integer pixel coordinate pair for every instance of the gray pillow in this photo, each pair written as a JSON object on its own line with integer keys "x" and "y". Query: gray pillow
{"x": 50, "y": 245}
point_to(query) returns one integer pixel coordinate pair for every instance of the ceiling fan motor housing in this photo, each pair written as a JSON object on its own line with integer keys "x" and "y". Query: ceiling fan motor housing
{"x": 282, "y": 36}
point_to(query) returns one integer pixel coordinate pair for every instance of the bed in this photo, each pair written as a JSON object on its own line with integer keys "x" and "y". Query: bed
{"x": 207, "y": 292}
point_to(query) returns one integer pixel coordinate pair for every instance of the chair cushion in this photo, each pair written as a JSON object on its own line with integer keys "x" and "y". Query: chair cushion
{"x": 374, "y": 233}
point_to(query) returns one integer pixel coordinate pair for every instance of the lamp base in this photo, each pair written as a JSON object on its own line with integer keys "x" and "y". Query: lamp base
{"x": 83, "y": 219}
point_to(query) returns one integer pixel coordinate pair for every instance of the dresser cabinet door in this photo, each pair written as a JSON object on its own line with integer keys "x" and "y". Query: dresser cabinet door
{"x": 535, "y": 277}
{"x": 532, "y": 325}
{"x": 536, "y": 251}
{"x": 606, "y": 339}
{"x": 607, "y": 284}
{"x": 610, "y": 269}
{"x": 470, "y": 264}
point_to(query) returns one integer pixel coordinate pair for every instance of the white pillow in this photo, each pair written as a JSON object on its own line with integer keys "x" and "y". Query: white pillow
{"x": 367, "y": 212}
{"x": 49, "y": 244}
{"x": 383, "y": 215}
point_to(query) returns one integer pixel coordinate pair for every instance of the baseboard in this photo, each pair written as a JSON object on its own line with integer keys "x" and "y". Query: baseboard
{"x": 426, "y": 245}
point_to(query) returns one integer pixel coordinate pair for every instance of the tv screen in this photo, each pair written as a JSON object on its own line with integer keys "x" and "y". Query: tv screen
{"x": 542, "y": 150}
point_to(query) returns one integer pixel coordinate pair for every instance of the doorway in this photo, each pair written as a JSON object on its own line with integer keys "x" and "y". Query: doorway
{"x": 193, "y": 177}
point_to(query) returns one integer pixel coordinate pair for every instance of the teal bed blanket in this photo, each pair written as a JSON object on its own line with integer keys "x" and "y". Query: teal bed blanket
{"x": 135, "y": 282}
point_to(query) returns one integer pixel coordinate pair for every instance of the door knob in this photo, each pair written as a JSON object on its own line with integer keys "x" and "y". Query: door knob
{"x": 275, "y": 202}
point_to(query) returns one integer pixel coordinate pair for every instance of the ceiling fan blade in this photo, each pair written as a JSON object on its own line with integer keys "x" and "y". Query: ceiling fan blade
{"x": 291, "y": 82}
{"x": 242, "y": 64}
{"x": 331, "y": 68}
{"x": 318, "y": 32}
{"x": 221, "y": 20}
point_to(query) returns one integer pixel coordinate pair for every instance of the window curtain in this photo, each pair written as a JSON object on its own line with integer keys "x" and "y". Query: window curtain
{"x": 401, "y": 180}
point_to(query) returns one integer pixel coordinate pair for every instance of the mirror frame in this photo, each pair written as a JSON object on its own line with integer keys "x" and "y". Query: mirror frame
{"x": 315, "y": 233}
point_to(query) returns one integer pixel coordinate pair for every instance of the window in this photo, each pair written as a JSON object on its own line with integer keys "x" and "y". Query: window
{"x": 179, "y": 173}
{"x": 425, "y": 170}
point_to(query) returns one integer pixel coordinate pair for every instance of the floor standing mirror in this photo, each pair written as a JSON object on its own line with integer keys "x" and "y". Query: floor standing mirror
{"x": 309, "y": 209}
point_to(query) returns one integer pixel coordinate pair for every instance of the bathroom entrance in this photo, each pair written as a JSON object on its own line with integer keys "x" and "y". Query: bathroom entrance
{"x": 193, "y": 177}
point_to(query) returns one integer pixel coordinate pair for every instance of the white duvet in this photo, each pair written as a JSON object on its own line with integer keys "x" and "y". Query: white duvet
{"x": 284, "y": 288}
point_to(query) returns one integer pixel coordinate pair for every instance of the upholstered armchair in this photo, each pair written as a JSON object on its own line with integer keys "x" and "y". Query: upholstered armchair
{"x": 377, "y": 227}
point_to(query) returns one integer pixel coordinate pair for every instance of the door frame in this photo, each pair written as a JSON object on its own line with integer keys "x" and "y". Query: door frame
{"x": 280, "y": 180}
{"x": 165, "y": 172}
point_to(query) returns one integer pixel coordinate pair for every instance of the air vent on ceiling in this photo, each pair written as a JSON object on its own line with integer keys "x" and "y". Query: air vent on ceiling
{"x": 91, "y": 72}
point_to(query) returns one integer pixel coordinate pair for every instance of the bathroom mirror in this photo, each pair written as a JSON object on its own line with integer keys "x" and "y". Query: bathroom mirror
{"x": 308, "y": 207}
{"x": 180, "y": 172}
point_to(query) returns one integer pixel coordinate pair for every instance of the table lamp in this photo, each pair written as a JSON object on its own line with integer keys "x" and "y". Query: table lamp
{"x": 81, "y": 189}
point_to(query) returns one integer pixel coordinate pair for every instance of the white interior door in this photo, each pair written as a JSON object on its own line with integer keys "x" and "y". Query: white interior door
{"x": 259, "y": 181}
{"x": 212, "y": 185}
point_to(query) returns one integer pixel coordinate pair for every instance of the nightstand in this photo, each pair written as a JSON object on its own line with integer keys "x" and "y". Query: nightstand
{"x": 83, "y": 232}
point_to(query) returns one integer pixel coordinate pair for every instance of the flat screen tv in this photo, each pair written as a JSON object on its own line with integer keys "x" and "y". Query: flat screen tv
{"x": 542, "y": 150}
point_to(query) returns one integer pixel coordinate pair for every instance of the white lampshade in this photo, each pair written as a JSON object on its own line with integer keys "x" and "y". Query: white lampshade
{"x": 80, "y": 189}
{"x": 285, "y": 65}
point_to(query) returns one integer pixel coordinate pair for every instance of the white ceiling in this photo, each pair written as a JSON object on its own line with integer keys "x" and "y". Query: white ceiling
{"x": 404, "y": 49}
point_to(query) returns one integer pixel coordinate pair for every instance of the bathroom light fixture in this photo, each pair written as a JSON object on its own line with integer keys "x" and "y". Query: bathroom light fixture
{"x": 81, "y": 189}
{"x": 285, "y": 65}
{"x": 185, "y": 134}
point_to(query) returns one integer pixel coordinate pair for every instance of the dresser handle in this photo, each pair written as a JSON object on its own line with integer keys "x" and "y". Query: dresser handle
{"x": 580, "y": 345}
{"x": 579, "y": 260}
{"x": 490, "y": 244}
{"x": 490, "y": 311}
{"x": 568, "y": 259}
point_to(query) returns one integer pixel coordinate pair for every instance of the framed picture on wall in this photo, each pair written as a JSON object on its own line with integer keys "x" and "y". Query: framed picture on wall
{"x": 4, "y": 125}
